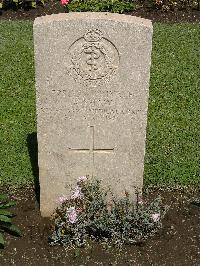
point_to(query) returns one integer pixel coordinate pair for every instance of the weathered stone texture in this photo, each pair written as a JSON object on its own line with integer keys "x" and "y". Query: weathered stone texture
{"x": 92, "y": 80}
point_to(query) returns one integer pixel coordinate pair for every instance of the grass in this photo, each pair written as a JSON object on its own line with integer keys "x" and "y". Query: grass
{"x": 17, "y": 105}
{"x": 173, "y": 132}
{"x": 173, "y": 127}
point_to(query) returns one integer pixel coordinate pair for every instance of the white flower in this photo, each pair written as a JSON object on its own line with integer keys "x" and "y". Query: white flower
{"x": 155, "y": 217}
{"x": 72, "y": 215}
{"x": 62, "y": 199}
{"x": 82, "y": 179}
{"x": 76, "y": 193}
{"x": 140, "y": 200}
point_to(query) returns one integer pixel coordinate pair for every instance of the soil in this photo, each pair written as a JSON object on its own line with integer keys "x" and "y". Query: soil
{"x": 177, "y": 243}
{"x": 54, "y": 7}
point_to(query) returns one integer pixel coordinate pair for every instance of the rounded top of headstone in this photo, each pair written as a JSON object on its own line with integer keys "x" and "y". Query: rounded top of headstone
{"x": 93, "y": 16}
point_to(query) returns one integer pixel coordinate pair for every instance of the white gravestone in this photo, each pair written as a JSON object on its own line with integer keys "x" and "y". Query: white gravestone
{"x": 92, "y": 81}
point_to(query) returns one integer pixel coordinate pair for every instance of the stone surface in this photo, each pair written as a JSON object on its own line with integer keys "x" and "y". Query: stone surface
{"x": 92, "y": 79}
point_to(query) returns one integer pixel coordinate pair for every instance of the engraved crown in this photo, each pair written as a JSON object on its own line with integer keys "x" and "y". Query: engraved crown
{"x": 93, "y": 35}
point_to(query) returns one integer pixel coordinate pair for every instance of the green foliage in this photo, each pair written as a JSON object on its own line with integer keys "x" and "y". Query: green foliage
{"x": 20, "y": 3}
{"x": 172, "y": 150}
{"x": 114, "y": 6}
{"x": 5, "y": 219}
{"x": 92, "y": 213}
{"x": 17, "y": 105}
{"x": 167, "y": 5}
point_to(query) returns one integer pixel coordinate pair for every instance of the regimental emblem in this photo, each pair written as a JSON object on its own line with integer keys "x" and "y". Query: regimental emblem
{"x": 94, "y": 59}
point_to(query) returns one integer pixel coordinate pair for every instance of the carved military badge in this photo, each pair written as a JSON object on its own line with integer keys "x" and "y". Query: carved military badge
{"x": 94, "y": 59}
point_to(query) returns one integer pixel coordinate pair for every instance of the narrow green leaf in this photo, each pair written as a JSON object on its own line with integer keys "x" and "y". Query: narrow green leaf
{"x": 2, "y": 240}
{"x": 6, "y": 213}
{"x": 12, "y": 228}
{"x": 3, "y": 197}
{"x": 33, "y": 4}
{"x": 5, "y": 219}
{"x": 7, "y": 205}
{"x": 1, "y": 5}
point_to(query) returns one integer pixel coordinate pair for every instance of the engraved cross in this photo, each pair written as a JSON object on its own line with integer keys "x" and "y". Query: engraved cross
{"x": 92, "y": 150}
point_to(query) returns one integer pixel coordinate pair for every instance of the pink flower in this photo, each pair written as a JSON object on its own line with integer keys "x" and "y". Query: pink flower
{"x": 155, "y": 217}
{"x": 62, "y": 199}
{"x": 64, "y": 2}
{"x": 72, "y": 215}
{"x": 76, "y": 193}
{"x": 13, "y": 197}
{"x": 82, "y": 179}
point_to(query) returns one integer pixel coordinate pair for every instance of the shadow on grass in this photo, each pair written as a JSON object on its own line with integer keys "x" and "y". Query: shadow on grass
{"x": 33, "y": 154}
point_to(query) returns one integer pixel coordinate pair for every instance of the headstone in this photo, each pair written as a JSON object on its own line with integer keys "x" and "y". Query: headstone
{"x": 92, "y": 79}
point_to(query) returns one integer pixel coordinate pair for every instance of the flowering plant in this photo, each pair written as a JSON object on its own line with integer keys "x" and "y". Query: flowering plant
{"x": 64, "y": 2}
{"x": 114, "y": 6}
{"x": 92, "y": 212}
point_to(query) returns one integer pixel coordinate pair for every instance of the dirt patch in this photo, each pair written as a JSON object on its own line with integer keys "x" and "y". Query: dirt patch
{"x": 54, "y": 7}
{"x": 178, "y": 243}
{"x": 192, "y": 16}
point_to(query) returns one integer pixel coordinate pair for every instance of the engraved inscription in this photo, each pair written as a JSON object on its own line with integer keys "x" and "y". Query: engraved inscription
{"x": 94, "y": 59}
{"x": 104, "y": 104}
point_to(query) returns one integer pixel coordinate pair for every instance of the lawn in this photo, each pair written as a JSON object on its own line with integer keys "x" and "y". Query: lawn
{"x": 173, "y": 121}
